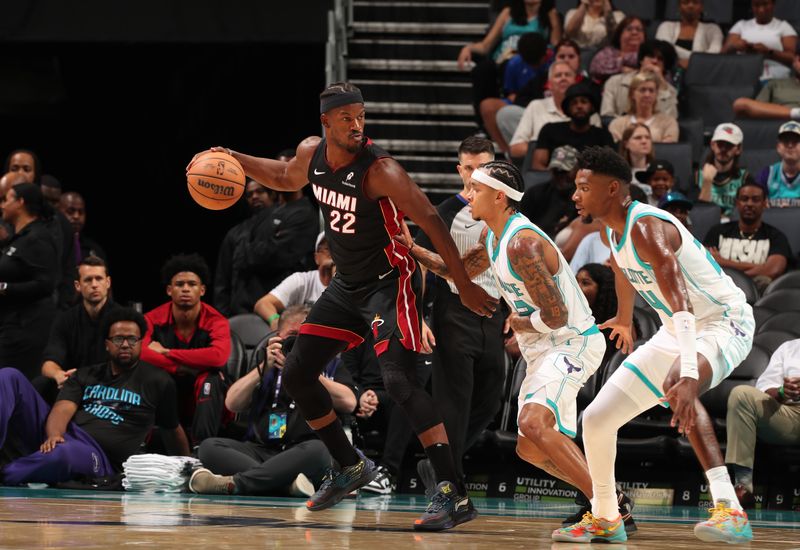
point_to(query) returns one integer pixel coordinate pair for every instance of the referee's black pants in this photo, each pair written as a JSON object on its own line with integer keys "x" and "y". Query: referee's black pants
{"x": 469, "y": 373}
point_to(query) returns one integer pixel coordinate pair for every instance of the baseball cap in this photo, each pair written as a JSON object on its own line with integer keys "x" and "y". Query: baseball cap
{"x": 675, "y": 197}
{"x": 728, "y": 132}
{"x": 791, "y": 127}
{"x": 581, "y": 89}
{"x": 563, "y": 158}
{"x": 656, "y": 166}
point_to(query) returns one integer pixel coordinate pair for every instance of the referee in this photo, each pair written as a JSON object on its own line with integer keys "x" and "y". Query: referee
{"x": 469, "y": 373}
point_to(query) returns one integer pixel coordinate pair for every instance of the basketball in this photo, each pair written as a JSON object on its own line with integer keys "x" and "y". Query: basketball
{"x": 215, "y": 180}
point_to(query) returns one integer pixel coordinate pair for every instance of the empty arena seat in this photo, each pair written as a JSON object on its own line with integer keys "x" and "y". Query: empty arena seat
{"x": 249, "y": 327}
{"x": 790, "y": 280}
{"x": 759, "y": 133}
{"x": 643, "y": 9}
{"x": 237, "y": 360}
{"x": 762, "y": 315}
{"x": 772, "y": 339}
{"x": 691, "y": 132}
{"x": 744, "y": 282}
{"x": 704, "y": 215}
{"x": 781, "y": 300}
{"x": 505, "y": 436}
{"x": 788, "y": 221}
{"x": 647, "y": 320}
{"x": 680, "y": 155}
{"x": 787, "y": 321}
{"x": 714, "y": 103}
{"x": 788, "y": 10}
{"x": 757, "y": 159}
{"x": 712, "y": 69}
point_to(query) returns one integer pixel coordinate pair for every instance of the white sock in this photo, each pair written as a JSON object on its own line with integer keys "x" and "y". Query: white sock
{"x": 611, "y": 409}
{"x": 720, "y": 485}
{"x": 794, "y": 114}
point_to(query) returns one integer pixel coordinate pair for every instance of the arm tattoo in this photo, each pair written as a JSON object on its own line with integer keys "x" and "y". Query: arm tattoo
{"x": 430, "y": 260}
{"x": 526, "y": 255}
{"x": 475, "y": 260}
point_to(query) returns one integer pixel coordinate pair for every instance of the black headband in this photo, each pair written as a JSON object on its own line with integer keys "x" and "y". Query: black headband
{"x": 345, "y": 98}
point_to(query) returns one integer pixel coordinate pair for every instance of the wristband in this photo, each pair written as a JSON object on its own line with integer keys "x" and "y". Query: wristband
{"x": 685, "y": 333}
{"x": 273, "y": 317}
{"x": 781, "y": 394}
{"x": 538, "y": 324}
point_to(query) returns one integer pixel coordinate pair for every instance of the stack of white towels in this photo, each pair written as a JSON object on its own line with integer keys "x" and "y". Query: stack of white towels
{"x": 158, "y": 473}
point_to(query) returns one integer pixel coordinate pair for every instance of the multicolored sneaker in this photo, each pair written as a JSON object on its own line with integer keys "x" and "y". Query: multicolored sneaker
{"x": 592, "y": 529}
{"x": 336, "y": 485}
{"x": 725, "y": 525}
{"x": 446, "y": 510}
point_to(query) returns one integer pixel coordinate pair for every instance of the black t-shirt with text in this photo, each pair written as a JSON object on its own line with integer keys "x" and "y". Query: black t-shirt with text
{"x": 119, "y": 411}
{"x": 756, "y": 248}
{"x": 558, "y": 134}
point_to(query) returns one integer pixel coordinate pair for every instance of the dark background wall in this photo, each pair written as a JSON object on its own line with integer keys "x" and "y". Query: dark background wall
{"x": 118, "y": 120}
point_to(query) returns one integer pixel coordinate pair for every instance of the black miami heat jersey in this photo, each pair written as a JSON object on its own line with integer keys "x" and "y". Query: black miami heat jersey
{"x": 359, "y": 229}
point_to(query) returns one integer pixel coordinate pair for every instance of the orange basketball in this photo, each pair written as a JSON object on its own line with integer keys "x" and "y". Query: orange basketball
{"x": 216, "y": 180}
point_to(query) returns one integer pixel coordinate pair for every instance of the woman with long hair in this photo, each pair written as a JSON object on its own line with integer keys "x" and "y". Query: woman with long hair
{"x": 690, "y": 34}
{"x": 643, "y": 98}
{"x": 636, "y": 147}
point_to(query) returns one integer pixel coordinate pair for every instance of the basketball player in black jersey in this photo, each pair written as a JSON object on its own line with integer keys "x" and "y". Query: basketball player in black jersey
{"x": 364, "y": 195}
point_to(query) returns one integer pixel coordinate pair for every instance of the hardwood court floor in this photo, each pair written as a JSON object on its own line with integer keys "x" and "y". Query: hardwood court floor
{"x": 51, "y": 518}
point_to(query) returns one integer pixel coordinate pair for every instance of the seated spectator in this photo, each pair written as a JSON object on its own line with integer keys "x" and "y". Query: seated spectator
{"x": 778, "y": 99}
{"x": 28, "y": 276}
{"x": 592, "y": 23}
{"x": 102, "y": 415}
{"x": 580, "y": 103}
{"x": 659, "y": 178}
{"x": 550, "y": 205}
{"x": 656, "y": 57}
{"x": 770, "y": 411}
{"x": 192, "y": 341}
{"x": 301, "y": 288}
{"x": 677, "y": 204}
{"x": 280, "y": 455}
{"x": 51, "y": 190}
{"x": 643, "y": 95}
{"x": 73, "y": 207}
{"x": 690, "y": 34}
{"x": 26, "y": 163}
{"x": 591, "y": 250}
{"x": 720, "y": 176}
{"x": 622, "y": 55}
{"x": 544, "y": 111}
{"x": 756, "y": 248}
{"x": 521, "y": 69}
{"x": 76, "y": 338}
{"x": 781, "y": 179}
{"x": 636, "y": 147}
{"x": 500, "y": 43}
{"x": 773, "y": 38}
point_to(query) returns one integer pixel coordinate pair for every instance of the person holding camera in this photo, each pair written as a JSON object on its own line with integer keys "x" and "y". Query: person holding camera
{"x": 770, "y": 411}
{"x": 280, "y": 454}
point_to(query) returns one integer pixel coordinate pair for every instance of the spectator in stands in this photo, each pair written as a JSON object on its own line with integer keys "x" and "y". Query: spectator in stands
{"x": 720, "y": 176}
{"x": 677, "y": 204}
{"x": 773, "y": 38}
{"x": 550, "y": 205}
{"x": 643, "y": 97}
{"x": 281, "y": 454}
{"x": 192, "y": 341}
{"x": 76, "y": 338}
{"x": 660, "y": 178}
{"x": 102, "y": 415}
{"x": 73, "y": 207}
{"x": 636, "y": 147}
{"x": 591, "y": 250}
{"x": 580, "y": 103}
{"x": 500, "y": 44}
{"x": 51, "y": 190}
{"x": 544, "y": 111}
{"x": 592, "y": 23}
{"x": 657, "y": 57}
{"x": 778, "y": 99}
{"x": 6, "y": 229}
{"x": 781, "y": 179}
{"x": 28, "y": 276}
{"x": 301, "y": 288}
{"x": 770, "y": 411}
{"x": 622, "y": 55}
{"x": 25, "y": 162}
{"x": 521, "y": 69}
{"x": 690, "y": 34}
{"x": 226, "y": 284}
{"x": 508, "y": 117}
{"x": 756, "y": 248}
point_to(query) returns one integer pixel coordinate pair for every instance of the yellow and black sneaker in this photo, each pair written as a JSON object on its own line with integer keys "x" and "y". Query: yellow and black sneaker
{"x": 338, "y": 484}
{"x": 446, "y": 509}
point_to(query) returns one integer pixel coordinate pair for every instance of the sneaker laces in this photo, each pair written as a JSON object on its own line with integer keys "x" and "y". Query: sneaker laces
{"x": 327, "y": 479}
{"x": 587, "y": 521}
{"x": 719, "y": 513}
{"x": 438, "y": 502}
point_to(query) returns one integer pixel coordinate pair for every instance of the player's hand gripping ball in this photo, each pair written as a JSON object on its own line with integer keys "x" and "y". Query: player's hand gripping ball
{"x": 215, "y": 180}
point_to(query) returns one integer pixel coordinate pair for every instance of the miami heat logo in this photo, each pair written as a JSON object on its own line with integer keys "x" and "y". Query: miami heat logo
{"x": 376, "y": 322}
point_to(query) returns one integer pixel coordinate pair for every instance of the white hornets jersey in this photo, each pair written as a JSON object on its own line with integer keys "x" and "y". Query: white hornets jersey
{"x": 712, "y": 293}
{"x": 579, "y": 319}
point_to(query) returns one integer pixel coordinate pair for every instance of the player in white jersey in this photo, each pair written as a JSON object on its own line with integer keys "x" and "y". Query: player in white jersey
{"x": 707, "y": 331}
{"x": 555, "y": 329}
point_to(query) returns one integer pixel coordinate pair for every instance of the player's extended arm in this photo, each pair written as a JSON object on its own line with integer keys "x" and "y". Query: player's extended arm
{"x": 386, "y": 178}
{"x": 475, "y": 260}
{"x": 526, "y": 253}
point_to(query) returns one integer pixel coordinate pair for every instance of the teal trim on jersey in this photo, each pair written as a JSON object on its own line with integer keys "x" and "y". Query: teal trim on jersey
{"x": 633, "y": 368}
{"x": 625, "y": 231}
{"x": 564, "y": 299}
{"x": 490, "y": 243}
{"x": 495, "y": 252}
{"x": 660, "y": 217}
{"x": 709, "y": 257}
{"x": 561, "y": 427}
{"x": 708, "y": 296}
{"x": 590, "y": 331}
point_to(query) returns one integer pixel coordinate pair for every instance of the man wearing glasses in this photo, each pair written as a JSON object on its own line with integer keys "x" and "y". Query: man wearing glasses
{"x": 101, "y": 417}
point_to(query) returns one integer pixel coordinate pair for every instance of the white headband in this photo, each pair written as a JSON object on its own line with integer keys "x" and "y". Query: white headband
{"x": 482, "y": 177}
